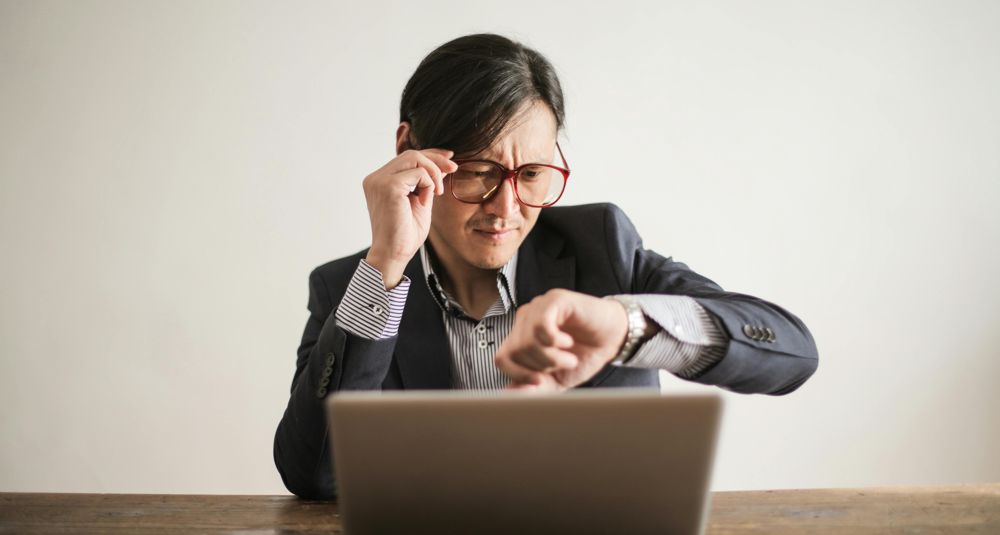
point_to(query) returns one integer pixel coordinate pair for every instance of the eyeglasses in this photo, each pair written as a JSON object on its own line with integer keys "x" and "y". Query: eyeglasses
{"x": 537, "y": 185}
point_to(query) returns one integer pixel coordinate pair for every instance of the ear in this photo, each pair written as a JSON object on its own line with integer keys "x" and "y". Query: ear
{"x": 403, "y": 138}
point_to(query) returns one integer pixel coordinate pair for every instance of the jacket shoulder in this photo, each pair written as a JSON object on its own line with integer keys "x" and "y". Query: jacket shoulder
{"x": 587, "y": 221}
{"x": 580, "y": 213}
{"x": 601, "y": 237}
{"x": 599, "y": 228}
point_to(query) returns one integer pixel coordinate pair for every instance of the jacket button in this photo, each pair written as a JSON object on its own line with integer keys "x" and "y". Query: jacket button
{"x": 321, "y": 392}
{"x": 327, "y": 371}
{"x": 325, "y": 381}
{"x": 748, "y": 330}
{"x": 329, "y": 359}
{"x": 770, "y": 334}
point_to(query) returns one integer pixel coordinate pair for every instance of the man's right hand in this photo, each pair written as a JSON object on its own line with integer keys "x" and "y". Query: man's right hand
{"x": 400, "y": 195}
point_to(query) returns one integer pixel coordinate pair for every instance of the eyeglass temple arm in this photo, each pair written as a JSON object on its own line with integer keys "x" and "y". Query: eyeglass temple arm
{"x": 565, "y": 165}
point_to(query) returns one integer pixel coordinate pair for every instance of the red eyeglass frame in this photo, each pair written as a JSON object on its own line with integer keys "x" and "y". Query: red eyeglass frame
{"x": 511, "y": 174}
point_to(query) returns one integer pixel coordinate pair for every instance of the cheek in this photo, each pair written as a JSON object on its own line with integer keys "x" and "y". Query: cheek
{"x": 448, "y": 215}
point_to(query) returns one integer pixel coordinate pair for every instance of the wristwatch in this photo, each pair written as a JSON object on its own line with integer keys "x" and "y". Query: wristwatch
{"x": 636, "y": 328}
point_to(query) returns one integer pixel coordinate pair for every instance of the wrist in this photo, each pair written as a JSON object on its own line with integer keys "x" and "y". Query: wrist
{"x": 391, "y": 271}
{"x": 637, "y": 330}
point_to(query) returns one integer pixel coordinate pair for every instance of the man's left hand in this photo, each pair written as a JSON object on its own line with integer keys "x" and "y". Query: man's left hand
{"x": 561, "y": 339}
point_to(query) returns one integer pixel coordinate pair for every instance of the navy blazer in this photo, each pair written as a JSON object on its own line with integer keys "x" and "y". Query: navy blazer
{"x": 593, "y": 249}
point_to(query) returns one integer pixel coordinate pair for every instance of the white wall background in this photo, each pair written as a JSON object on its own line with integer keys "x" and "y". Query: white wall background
{"x": 170, "y": 172}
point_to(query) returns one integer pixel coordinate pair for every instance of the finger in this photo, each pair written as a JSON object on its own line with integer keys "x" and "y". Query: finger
{"x": 516, "y": 372}
{"x": 544, "y": 359}
{"x": 433, "y": 163}
{"x": 437, "y": 150}
{"x": 528, "y": 359}
{"x": 407, "y": 160}
{"x": 442, "y": 158}
{"x": 547, "y": 331}
{"x": 520, "y": 349}
{"x": 411, "y": 180}
{"x": 521, "y": 388}
{"x": 548, "y": 385}
{"x": 443, "y": 163}
{"x": 413, "y": 159}
{"x": 423, "y": 197}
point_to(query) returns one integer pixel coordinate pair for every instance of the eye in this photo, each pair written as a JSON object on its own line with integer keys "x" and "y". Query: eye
{"x": 476, "y": 171}
{"x": 533, "y": 173}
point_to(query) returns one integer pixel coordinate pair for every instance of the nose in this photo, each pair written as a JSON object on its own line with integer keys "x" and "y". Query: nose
{"x": 504, "y": 202}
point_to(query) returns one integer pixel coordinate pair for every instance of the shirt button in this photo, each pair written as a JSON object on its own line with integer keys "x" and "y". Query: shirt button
{"x": 377, "y": 310}
{"x": 483, "y": 344}
{"x": 481, "y": 329}
{"x": 678, "y": 329}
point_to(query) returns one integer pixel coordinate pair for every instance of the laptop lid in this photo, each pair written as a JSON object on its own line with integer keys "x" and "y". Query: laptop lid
{"x": 586, "y": 461}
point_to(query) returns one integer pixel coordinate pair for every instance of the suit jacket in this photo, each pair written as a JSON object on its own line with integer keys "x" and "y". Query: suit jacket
{"x": 593, "y": 249}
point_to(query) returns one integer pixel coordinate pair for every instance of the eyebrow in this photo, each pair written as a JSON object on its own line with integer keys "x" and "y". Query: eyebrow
{"x": 497, "y": 160}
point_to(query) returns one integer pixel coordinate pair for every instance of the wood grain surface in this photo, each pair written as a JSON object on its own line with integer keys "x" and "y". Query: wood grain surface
{"x": 910, "y": 510}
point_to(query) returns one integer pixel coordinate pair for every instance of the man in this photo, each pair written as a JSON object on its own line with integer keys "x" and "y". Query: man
{"x": 473, "y": 280}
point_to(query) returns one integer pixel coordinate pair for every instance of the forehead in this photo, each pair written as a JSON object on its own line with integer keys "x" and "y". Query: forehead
{"x": 531, "y": 136}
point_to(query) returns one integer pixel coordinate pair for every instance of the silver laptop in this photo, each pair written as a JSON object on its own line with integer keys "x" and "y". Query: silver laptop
{"x": 598, "y": 461}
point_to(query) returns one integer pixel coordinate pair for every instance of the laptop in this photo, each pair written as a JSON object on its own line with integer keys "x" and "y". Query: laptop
{"x": 587, "y": 461}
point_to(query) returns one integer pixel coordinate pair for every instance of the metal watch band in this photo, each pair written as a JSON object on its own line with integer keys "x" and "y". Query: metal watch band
{"x": 636, "y": 328}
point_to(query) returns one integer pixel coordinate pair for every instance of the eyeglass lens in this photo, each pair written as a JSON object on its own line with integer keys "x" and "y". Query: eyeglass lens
{"x": 478, "y": 181}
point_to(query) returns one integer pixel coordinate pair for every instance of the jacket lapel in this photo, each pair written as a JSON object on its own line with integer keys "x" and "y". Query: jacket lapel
{"x": 540, "y": 268}
{"x": 422, "y": 351}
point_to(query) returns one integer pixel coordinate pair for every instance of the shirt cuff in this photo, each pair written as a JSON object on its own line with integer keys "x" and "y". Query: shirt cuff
{"x": 689, "y": 341}
{"x": 369, "y": 310}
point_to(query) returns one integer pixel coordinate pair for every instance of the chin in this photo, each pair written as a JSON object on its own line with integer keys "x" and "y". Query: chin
{"x": 490, "y": 263}
{"x": 491, "y": 259}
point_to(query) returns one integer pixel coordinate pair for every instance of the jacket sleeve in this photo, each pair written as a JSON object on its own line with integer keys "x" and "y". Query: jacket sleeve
{"x": 329, "y": 359}
{"x": 770, "y": 350}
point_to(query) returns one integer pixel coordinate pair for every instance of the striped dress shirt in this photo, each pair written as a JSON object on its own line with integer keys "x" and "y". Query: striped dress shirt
{"x": 688, "y": 342}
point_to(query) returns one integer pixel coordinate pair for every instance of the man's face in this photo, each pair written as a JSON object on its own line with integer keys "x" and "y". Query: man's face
{"x": 485, "y": 236}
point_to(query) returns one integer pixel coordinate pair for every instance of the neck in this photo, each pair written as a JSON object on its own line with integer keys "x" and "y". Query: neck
{"x": 473, "y": 288}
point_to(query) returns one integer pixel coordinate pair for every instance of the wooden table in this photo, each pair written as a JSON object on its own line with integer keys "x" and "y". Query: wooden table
{"x": 924, "y": 510}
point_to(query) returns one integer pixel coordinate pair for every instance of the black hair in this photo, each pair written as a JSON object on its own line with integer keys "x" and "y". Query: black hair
{"x": 467, "y": 91}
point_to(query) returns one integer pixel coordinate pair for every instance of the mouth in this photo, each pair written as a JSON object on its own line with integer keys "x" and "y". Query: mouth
{"x": 494, "y": 235}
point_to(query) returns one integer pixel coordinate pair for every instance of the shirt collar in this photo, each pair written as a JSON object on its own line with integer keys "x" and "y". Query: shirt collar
{"x": 506, "y": 276}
